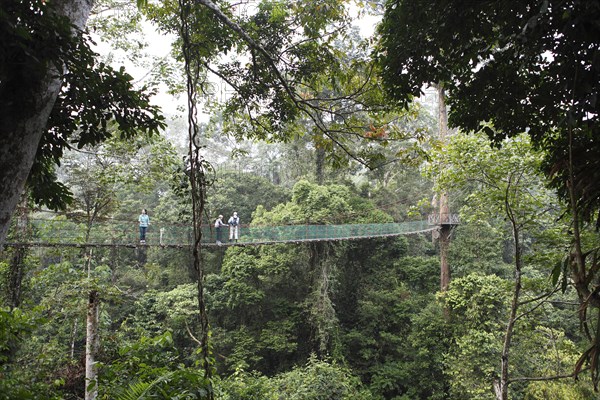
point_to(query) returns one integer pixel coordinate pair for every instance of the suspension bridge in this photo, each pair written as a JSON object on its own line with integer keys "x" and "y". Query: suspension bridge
{"x": 60, "y": 232}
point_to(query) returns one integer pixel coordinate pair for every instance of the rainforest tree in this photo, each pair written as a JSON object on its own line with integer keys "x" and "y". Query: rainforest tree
{"x": 528, "y": 66}
{"x": 54, "y": 95}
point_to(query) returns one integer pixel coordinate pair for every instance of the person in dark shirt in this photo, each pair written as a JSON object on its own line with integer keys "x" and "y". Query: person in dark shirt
{"x": 219, "y": 224}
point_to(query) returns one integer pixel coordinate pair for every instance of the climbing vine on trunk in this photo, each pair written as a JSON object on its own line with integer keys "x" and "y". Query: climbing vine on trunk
{"x": 198, "y": 167}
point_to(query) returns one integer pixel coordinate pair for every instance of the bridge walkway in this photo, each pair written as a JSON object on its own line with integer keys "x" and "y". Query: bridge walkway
{"x": 62, "y": 232}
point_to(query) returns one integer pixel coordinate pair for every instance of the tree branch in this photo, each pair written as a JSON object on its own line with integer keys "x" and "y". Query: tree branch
{"x": 545, "y": 378}
{"x": 303, "y": 105}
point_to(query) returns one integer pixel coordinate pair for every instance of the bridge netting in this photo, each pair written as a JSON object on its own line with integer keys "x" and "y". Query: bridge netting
{"x": 56, "y": 232}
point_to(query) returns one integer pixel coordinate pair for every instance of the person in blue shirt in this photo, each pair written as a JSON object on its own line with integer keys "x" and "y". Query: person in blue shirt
{"x": 144, "y": 221}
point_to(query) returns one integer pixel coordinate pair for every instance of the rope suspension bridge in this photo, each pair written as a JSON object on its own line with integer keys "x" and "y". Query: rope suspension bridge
{"x": 62, "y": 232}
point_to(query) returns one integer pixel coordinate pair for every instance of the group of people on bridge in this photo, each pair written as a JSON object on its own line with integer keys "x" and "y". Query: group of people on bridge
{"x": 234, "y": 228}
{"x": 233, "y": 223}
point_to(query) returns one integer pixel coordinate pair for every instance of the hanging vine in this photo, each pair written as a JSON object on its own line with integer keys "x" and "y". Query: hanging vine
{"x": 198, "y": 168}
{"x": 322, "y": 312}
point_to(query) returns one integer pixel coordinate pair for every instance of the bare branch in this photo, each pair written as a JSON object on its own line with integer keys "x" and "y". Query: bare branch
{"x": 544, "y": 295}
{"x": 187, "y": 328}
{"x": 545, "y": 378}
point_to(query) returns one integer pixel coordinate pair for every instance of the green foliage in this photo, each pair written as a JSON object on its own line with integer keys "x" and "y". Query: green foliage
{"x": 262, "y": 312}
{"x": 516, "y": 83}
{"x": 34, "y": 40}
{"x": 471, "y": 364}
{"x": 556, "y": 352}
{"x": 477, "y": 305}
{"x": 506, "y": 179}
{"x": 174, "y": 310}
{"x": 529, "y": 67}
{"x": 429, "y": 340}
{"x": 16, "y": 266}
{"x": 382, "y": 319}
{"x": 418, "y": 273}
{"x": 159, "y": 374}
{"x": 320, "y": 204}
{"x": 306, "y": 73}
{"x": 242, "y": 385}
{"x": 130, "y": 110}
{"x": 398, "y": 190}
{"x": 252, "y": 303}
{"x": 316, "y": 380}
{"x": 243, "y": 273}
{"x": 320, "y": 380}
{"x": 94, "y": 95}
{"x": 565, "y": 390}
{"x": 480, "y": 300}
{"x": 368, "y": 304}
{"x": 15, "y": 387}
{"x": 121, "y": 28}
{"x": 140, "y": 390}
{"x": 16, "y": 326}
{"x": 243, "y": 192}
{"x": 243, "y": 348}
{"x": 479, "y": 246}
{"x": 392, "y": 331}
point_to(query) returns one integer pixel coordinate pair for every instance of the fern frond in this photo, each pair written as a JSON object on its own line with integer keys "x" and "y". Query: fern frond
{"x": 139, "y": 390}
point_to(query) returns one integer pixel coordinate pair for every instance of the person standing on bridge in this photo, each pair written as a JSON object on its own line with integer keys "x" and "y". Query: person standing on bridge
{"x": 234, "y": 227}
{"x": 144, "y": 221}
{"x": 219, "y": 224}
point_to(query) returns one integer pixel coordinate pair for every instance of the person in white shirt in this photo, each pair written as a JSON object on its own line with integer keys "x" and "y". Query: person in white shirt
{"x": 234, "y": 227}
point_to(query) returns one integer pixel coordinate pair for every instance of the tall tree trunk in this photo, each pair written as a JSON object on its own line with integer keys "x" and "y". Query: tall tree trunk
{"x": 501, "y": 385}
{"x": 15, "y": 277}
{"x": 92, "y": 340}
{"x": 319, "y": 165}
{"x": 24, "y": 115}
{"x": 443, "y": 201}
{"x": 91, "y": 346}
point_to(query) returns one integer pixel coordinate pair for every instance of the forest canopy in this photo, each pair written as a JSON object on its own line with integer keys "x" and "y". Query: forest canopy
{"x": 120, "y": 280}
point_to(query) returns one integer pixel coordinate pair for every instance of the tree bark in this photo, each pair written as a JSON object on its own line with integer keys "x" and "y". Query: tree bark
{"x": 443, "y": 202}
{"x": 24, "y": 116}
{"x": 320, "y": 165}
{"x": 91, "y": 347}
{"x": 16, "y": 272}
{"x": 501, "y": 385}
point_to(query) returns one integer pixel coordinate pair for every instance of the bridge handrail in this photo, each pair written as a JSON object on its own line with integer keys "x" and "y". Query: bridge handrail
{"x": 443, "y": 219}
